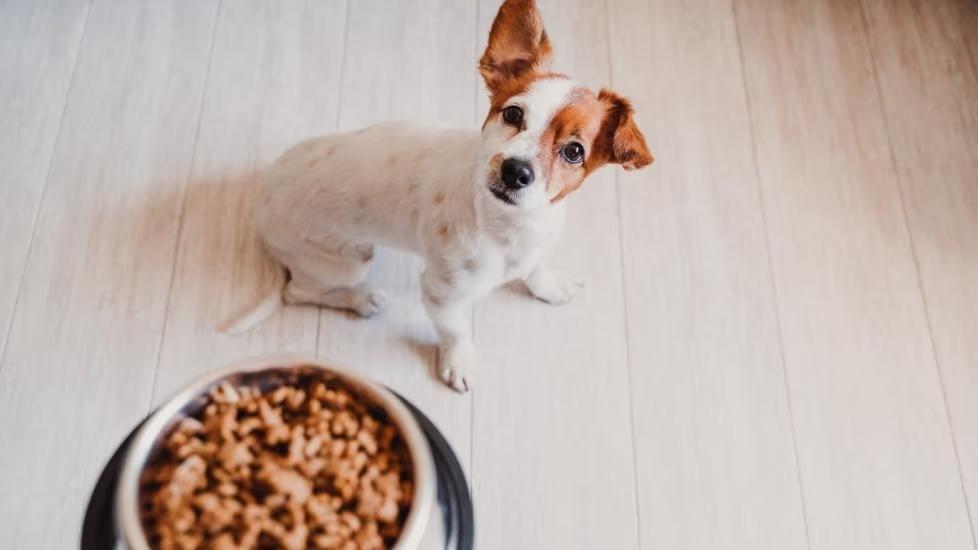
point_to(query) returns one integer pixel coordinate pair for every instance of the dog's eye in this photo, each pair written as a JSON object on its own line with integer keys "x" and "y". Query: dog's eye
{"x": 573, "y": 152}
{"x": 513, "y": 115}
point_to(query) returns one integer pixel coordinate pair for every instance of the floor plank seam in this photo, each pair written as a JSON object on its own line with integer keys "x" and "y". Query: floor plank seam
{"x": 182, "y": 213}
{"x": 916, "y": 264}
{"x": 344, "y": 49}
{"x": 770, "y": 265}
{"x": 970, "y": 13}
{"x": 477, "y": 89}
{"x": 624, "y": 298}
{"x": 44, "y": 187}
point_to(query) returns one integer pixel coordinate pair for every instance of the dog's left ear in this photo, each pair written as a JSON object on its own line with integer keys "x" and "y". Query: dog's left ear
{"x": 620, "y": 141}
{"x": 518, "y": 44}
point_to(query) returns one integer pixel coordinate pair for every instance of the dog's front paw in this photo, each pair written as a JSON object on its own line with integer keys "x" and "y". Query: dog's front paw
{"x": 457, "y": 367}
{"x": 553, "y": 286}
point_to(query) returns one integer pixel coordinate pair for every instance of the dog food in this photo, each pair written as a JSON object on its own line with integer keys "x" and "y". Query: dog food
{"x": 304, "y": 463}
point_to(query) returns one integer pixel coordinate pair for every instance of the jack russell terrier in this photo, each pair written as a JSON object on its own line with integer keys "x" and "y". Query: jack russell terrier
{"x": 481, "y": 208}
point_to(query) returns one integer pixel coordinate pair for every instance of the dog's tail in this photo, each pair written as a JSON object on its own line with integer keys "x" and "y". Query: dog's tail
{"x": 264, "y": 309}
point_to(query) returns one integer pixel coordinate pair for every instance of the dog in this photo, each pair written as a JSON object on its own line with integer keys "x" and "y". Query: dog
{"x": 480, "y": 207}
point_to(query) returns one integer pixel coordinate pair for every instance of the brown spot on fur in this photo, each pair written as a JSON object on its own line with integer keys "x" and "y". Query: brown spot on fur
{"x": 443, "y": 270}
{"x": 496, "y": 161}
{"x": 439, "y": 198}
{"x": 366, "y": 252}
{"x": 430, "y": 296}
{"x": 447, "y": 278}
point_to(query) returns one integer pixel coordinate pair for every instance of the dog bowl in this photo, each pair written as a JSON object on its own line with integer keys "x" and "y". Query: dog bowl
{"x": 440, "y": 514}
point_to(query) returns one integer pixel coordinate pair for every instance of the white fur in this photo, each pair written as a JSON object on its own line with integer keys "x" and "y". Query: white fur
{"x": 327, "y": 201}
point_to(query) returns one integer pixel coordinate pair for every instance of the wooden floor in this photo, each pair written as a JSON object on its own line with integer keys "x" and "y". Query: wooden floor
{"x": 777, "y": 347}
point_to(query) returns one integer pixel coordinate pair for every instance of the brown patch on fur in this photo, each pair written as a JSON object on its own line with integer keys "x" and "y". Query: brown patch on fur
{"x": 577, "y": 121}
{"x": 518, "y": 44}
{"x": 439, "y": 198}
{"x": 604, "y": 125}
{"x": 510, "y": 88}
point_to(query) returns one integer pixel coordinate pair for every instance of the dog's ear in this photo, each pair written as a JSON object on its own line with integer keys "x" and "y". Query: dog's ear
{"x": 518, "y": 44}
{"x": 620, "y": 141}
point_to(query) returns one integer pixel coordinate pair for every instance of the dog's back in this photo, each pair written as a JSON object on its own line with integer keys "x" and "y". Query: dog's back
{"x": 377, "y": 185}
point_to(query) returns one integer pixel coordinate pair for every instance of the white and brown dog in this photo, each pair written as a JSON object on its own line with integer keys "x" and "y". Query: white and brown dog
{"x": 481, "y": 208}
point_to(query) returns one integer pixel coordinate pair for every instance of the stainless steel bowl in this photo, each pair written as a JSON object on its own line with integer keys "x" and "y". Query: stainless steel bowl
{"x": 422, "y": 529}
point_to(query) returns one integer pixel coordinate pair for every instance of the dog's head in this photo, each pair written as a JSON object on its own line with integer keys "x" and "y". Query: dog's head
{"x": 544, "y": 133}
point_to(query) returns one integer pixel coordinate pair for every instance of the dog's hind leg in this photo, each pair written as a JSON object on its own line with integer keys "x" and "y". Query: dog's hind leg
{"x": 332, "y": 277}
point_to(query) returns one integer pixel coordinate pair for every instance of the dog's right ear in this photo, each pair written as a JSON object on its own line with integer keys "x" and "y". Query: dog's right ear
{"x": 518, "y": 44}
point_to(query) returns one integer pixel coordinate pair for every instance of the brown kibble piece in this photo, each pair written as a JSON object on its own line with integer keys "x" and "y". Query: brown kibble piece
{"x": 285, "y": 481}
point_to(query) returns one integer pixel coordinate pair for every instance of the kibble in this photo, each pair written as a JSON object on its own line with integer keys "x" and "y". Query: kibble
{"x": 304, "y": 464}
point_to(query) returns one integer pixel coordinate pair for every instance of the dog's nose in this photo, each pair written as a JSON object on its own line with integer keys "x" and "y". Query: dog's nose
{"x": 516, "y": 173}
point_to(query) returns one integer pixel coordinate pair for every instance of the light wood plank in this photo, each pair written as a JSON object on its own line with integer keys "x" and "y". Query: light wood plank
{"x": 274, "y": 81}
{"x": 414, "y": 61}
{"x": 713, "y": 435}
{"x": 930, "y": 97}
{"x": 552, "y": 463}
{"x": 82, "y": 351}
{"x": 39, "y": 43}
{"x": 877, "y": 463}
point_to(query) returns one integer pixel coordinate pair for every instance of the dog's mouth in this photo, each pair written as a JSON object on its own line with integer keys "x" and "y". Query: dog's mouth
{"x": 499, "y": 190}
{"x": 502, "y": 195}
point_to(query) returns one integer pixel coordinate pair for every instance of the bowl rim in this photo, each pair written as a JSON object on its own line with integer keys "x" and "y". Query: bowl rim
{"x": 126, "y": 513}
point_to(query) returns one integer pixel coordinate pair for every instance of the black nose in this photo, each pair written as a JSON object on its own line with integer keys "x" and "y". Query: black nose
{"x": 516, "y": 173}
